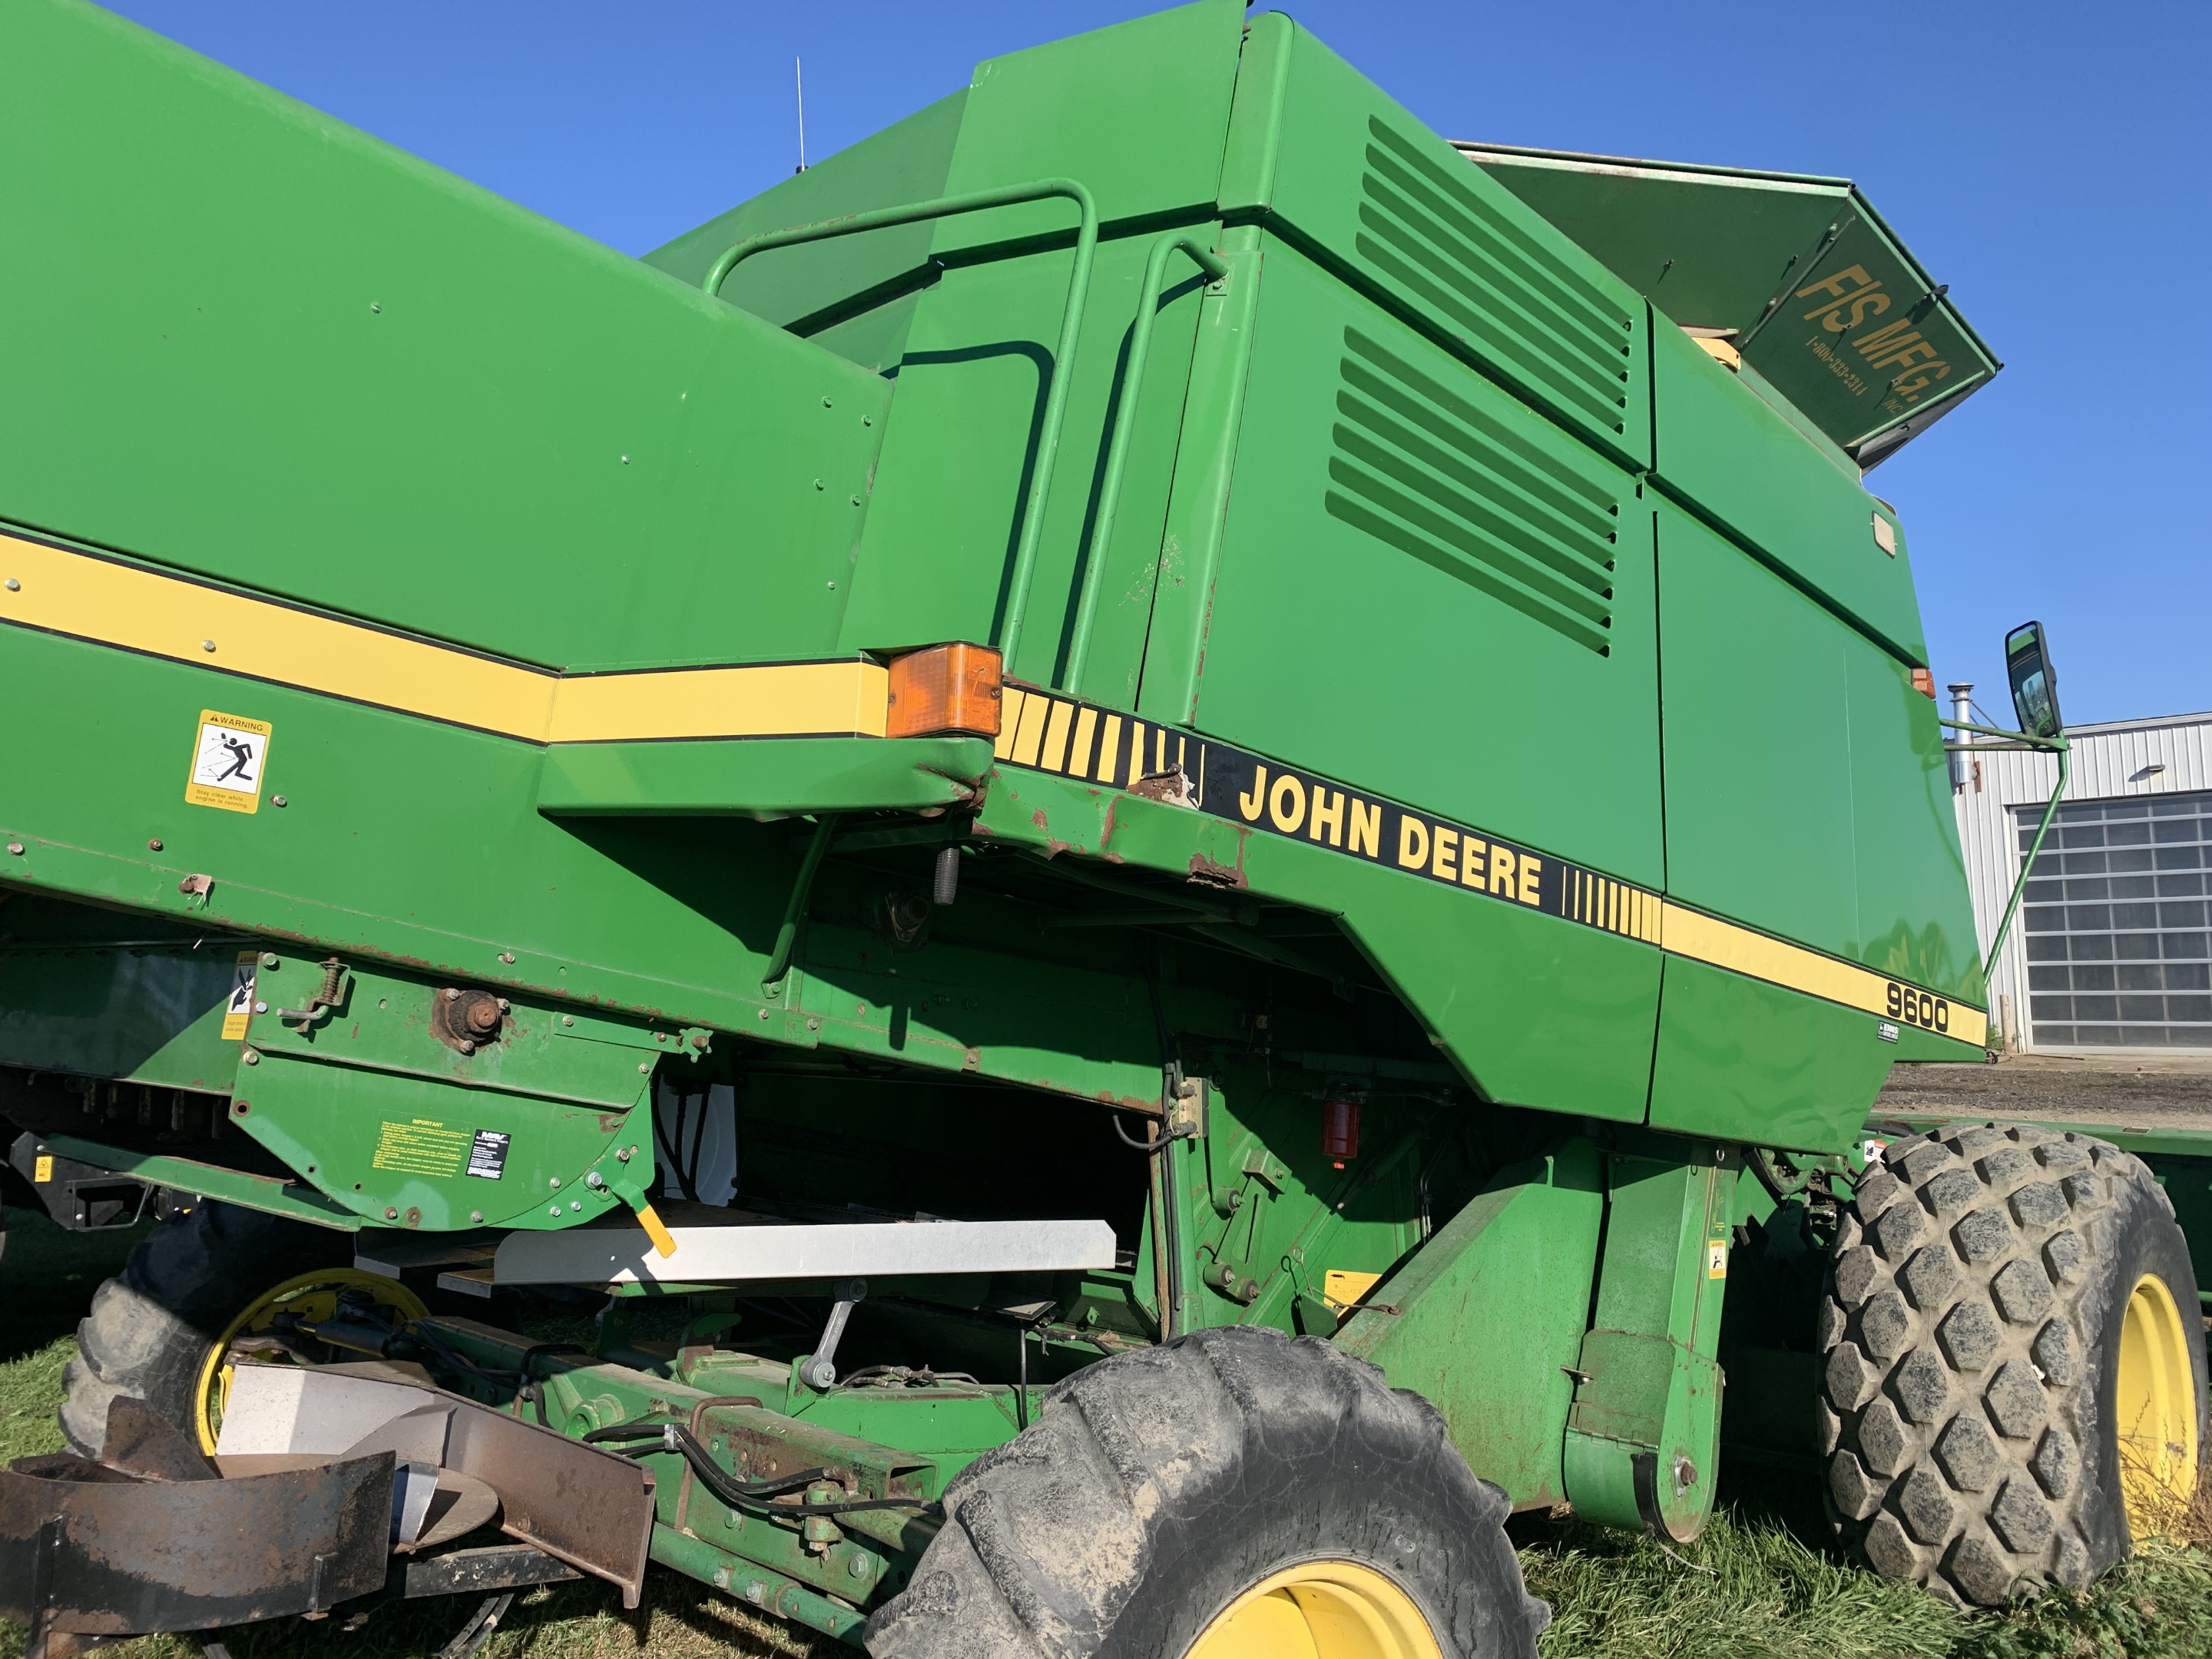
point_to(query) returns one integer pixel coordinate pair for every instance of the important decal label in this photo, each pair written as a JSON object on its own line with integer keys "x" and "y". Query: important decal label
{"x": 1079, "y": 740}
{"x": 228, "y": 756}
{"x": 420, "y": 1147}
{"x": 487, "y": 1155}
{"x": 238, "y": 1008}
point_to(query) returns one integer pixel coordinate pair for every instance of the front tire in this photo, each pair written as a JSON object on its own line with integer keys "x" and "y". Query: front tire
{"x": 2013, "y": 1361}
{"x": 1231, "y": 1492}
{"x": 151, "y": 1328}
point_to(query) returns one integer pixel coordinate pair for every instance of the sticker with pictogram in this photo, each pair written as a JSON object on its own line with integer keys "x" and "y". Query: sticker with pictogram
{"x": 228, "y": 758}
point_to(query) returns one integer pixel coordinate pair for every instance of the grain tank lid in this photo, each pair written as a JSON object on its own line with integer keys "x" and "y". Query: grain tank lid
{"x": 1823, "y": 300}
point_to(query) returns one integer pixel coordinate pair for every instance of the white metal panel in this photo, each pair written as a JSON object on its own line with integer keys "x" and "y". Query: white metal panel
{"x": 2110, "y": 762}
{"x": 728, "y": 1255}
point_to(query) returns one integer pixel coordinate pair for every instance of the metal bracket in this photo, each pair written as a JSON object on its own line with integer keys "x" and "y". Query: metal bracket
{"x": 819, "y": 1369}
{"x": 328, "y": 995}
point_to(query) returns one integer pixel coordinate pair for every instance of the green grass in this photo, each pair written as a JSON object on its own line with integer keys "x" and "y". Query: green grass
{"x": 1761, "y": 1584}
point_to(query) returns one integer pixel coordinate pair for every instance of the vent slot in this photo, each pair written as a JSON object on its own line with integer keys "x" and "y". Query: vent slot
{"x": 1428, "y": 228}
{"x": 1417, "y": 465}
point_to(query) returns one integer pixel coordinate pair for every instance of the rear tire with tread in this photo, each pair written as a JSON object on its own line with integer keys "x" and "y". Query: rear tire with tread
{"x": 1155, "y": 1487}
{"x": 1969, "y": 1343}
{"x": 149, "y": 1330}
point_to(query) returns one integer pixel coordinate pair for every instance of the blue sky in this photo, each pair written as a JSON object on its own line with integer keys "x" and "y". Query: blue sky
{"x": 2047, "y": 161}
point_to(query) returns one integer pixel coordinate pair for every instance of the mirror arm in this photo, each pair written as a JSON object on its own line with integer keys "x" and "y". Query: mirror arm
{"x": 2057, "y": 744}
{"x": 2065, "y": 752}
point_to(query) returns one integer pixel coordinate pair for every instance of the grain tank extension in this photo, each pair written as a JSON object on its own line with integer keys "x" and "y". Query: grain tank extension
{"x": 1166, "y": 827}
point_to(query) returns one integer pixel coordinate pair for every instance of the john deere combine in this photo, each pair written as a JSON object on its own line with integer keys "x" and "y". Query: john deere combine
{"x": 1161, "y": 827}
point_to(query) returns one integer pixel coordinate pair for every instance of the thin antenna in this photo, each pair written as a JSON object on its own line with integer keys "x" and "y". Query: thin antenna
{"x": 799, "y": 81}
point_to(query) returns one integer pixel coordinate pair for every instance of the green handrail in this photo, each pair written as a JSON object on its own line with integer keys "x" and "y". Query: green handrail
{"x": 2065, "y": 753}
{"x": 1125, "y": 423}
{"x": 1063, "y": 357}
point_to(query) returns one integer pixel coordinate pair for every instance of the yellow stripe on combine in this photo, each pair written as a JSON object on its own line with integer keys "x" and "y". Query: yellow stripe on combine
{"x": 1692, "y": 933}
{"x": 126, "y": 605}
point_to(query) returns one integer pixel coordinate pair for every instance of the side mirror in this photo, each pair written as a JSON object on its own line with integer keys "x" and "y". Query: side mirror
{"x": 2034, "y": 685}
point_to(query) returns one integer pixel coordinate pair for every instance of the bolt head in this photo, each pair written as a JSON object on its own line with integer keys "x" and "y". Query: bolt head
{"x": 278, "y": 800}
{"x": 391, "y": 1213}
{"x": 555, "y": 1211}
{"x": 554, "y": 1182}
{"x": 16, "y": 849}
{"x": 568, "y": 1019}
{"x": 453, "y": 996}
{"x": 504, "y": 1006}
{"x": 625, "y": 1155}
{"x": 260, "y": 1007}
{"x": 154, "y": 845}
{"x": 575, "y": 1203}
{"x": 467, "y": 1047}
{"x": 207, "y": 645}
{"x": 508, "y": 957}
{"x": 476, "y": 1216}
{"x": 251, "y": 1058}
{"x": 267, "y": 958}
{"x": 15, "y": 587}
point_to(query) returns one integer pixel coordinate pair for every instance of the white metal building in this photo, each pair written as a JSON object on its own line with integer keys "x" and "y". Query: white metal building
{"x": 2111, "y": 948}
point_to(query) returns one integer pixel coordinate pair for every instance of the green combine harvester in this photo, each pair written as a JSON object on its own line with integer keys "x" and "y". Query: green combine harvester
{"x": 1142, "y": 850}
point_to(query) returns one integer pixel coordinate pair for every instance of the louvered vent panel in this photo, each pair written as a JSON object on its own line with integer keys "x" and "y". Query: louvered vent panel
{"x": 1415, "y": 464}
{"x": 1425, "y": 226}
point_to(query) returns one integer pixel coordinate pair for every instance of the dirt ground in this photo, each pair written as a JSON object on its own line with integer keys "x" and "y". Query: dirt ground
{"x": 2133, "y": 1090}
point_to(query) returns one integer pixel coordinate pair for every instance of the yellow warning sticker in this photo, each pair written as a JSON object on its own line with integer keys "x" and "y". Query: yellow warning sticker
{"x": 420, "y": 1147}
{"x": 1717, "y": 1258}
{"x": 229, "y": 755}
{"x": 239, "y": 1008}
{"x": 42, "y": 1170}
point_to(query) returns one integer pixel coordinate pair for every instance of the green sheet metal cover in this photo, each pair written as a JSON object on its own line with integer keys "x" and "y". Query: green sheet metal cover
{"x": 1827, "y": 304}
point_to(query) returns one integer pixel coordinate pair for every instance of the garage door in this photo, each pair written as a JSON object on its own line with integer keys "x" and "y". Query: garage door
{"x": 2116, "y": 924}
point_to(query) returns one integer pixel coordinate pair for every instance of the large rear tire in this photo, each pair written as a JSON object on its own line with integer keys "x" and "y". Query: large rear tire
{"x": 1233, "y": 1492}
{"x": 2013, "y": 1361}
{"x": 152, "y": 1328}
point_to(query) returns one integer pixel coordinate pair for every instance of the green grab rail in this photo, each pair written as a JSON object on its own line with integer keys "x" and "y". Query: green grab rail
{"x": 1125, "y": 420}
{"x": 2065, "y": 750}
{"x": 1063, "y": 357}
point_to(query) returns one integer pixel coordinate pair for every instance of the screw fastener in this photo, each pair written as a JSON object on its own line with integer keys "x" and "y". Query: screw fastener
{"x": 16, "y": 848}
{"x": 250, "y": 1058}
{"x": 278, "y": 800}
{"x": 15, "y": 587}
{"x": 154, "y": 845}
{"x": 207, "y": 645}
{"x": 260, "y": 1007}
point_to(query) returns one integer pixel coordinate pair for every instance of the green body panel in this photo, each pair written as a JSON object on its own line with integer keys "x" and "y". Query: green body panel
{"x": 957, "y": 463}
{"x": 354, "y": 379}
{"x": 1471, "y": 551}
{"x": 766, "y": 778}
{"x": 1648, "y": 1391}
{"x": 1353, "y": 175}
{"x": 1724, "y": 450}
{"x": 826, "y": 284}
{"x": 1138, "y": 112}
{"x": 1746, "y": 1061}
{"x": 1788, "y": 732}
{"x": 1529, "y": 1243}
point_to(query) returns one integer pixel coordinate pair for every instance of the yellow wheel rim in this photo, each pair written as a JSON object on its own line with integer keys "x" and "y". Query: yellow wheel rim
{"x": 311, "y": 1296}
{"x": 2155, "y": 1396}
{"x": 1319, "y": 1610}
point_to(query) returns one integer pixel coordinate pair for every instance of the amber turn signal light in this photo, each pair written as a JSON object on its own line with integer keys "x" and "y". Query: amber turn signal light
{"x": 945, "y": 688}
{"x": 1924, "y": 681}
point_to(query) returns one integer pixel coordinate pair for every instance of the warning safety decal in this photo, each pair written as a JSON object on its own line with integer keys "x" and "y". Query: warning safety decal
{"x": 1078, "y": 740}
{"x": 238, "y": 1008}
{"x": 227, "y": 758}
